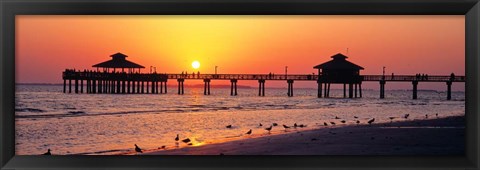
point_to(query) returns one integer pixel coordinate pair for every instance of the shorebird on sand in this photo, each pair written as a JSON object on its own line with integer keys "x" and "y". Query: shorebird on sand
{"x": 325, "y": 124}
{"x": 286, "y": 127}
{"x": 274, "y": 124}
{"x": 371, "y": 121}
{"x": 186, "y": 140}
{"x": 269, "y": 129}
{"x": 406, "y": 116}
{"x": 343, "y": 121}
{"x": 48, "y": 152}
{"x": 177, "y": 138}
{"x": 249, "y": 132}
{"x": 228, "y": 126}
{"x": 137, "y": 149}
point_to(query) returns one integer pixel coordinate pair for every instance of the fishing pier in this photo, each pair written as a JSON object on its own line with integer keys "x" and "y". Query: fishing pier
{"x": 114, "y": 79}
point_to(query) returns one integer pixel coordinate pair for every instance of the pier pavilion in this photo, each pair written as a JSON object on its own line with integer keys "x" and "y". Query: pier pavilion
{"x": 118, "y": 61}
{"x": 339, "y": 71}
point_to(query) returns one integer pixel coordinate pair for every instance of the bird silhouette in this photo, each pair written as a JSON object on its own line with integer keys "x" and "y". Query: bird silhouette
{"x": 269, "y": 129}
{"x": 358, "y": 121}
{"x": 249, "y": 132}
{"x": 436, "y": 114}
{"x": 260, "y": 124}
{"x": 286, "y": 127}
{"x": 356, "y": 117}
{"x": 274, "y": 124}
{"x": 333, "y": 123}
{"x": 426, "y": 116}
{"x": 337, "y": 117}
{"x": 295, "y": 125}
{"x": 186, "y": 140}
{"x": 343, "y": 121}
{"x": 137, "y": 149}
{"x": 406, "y": 116}
{"x": 177, "y": 138}
{"x": 163, "y": 147}
{"x": 302, "y": 125}
{"x": 325, "y": 124}
{"x": 228, "y": 126}
{"x": 48, "y": 152}
{"x": 371, "y": 121}
{"x": 391, "y": 119}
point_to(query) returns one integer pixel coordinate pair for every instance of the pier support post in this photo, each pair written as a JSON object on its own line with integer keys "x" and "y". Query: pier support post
{"x": 319, "y": 91}
{"x": 64, "y": 85}
{"x": 261, "y": 87}
{"x": 180, "y": 86}
{"x": 161, "y": 87}
{"x": 153, "y": 87}
{"x": 118, "y": 86}
{"x": 414, "y": 83}
{"x": 344, "y": 90}
{"x": 100, "y": 86}
{"x": 94, "y": 86}
{"x": 166, "y": 86}
{"x": 356, "y": 90}
{"x": 206, "y": 88}
{"x": 138, "y": 87}
{"x": 69, "y": 85}
{"x": 382, "y": 89}
{"x": 350, "y": 90}
{"x": 328, "y": 91}
{"x": 143, "y": 87}
{"x": 233, "y": 85}
{"x": 449, "y": 90}
{"x": 325, "y": 91}
{"x": 360, "y": 89}
{"x": 133, "y": 86}
{"x": 290, "y": 88}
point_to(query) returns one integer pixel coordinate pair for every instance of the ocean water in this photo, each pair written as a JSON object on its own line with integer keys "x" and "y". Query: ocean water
{"x": 96, "y": 124}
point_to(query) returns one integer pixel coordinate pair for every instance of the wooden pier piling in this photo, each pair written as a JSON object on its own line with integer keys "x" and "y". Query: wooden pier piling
{"x": 449, "y": 90}
{"x": 382, "y": 89}
{"x": 414, "y": 83}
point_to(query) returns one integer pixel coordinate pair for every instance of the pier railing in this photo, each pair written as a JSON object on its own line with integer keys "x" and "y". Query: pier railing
{"x": 433, "y": 78}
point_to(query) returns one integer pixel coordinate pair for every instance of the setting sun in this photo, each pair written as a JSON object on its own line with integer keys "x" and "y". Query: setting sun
{"x": 196, "y": 64}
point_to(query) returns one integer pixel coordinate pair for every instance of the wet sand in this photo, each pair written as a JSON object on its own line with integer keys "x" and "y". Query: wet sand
{"x": 434, "y": 136}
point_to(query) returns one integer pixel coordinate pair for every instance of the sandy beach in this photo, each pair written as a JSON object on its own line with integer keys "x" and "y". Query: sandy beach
{"x": 434, "y": 136}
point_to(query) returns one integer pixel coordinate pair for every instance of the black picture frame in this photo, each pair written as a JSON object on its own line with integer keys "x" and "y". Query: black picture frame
{"x": 10, "y": 8}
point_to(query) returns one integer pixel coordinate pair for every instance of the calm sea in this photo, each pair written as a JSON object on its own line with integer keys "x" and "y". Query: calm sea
{"x": 46, "y": 118}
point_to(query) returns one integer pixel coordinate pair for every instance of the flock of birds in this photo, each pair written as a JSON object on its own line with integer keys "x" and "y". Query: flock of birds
{"x": 249, "y": 132}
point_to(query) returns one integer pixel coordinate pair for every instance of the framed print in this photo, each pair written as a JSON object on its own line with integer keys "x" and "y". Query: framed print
{"x": 251, "y": 84}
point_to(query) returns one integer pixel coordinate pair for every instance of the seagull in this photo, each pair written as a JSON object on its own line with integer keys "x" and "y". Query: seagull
{"x": 295, "y": 125}
{"x": 406, "y": 116}
{"x": 333, "y": 123}
{"x": 249, "y": 132}
{"x": 275, "y": 124}
{"x": 391, "y": 119}
{"x": 426, "y": 116}
{"x": 358, "y": 121}
{"x": 302, "y": 125}
{"x": 177, "y": 138}
{"x": 163, "y": 147}
{"x": 371, "y": 121}
{"x": 356, "y": 117}
{"x": 337, "y": 117}
{"x": 260, "y": 124}
{"x": 186, "y": 140}
{"x": 343, "y": 121}
{"x": 137, "y": 149}
{"x": 286, "y": 127}
{"x": 325, "y": 123}
{"x": 48, "y": 152}
{"x": 228, "y": 126}
{"x": 436, "y": 114}
{"x": 269, "y": 129}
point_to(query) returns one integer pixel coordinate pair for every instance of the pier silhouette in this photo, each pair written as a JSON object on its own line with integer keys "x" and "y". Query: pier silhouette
{"x": 110, "y": 81}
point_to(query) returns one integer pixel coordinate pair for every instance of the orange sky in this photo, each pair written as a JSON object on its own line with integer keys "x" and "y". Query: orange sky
{"x": 46, "y": 45}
